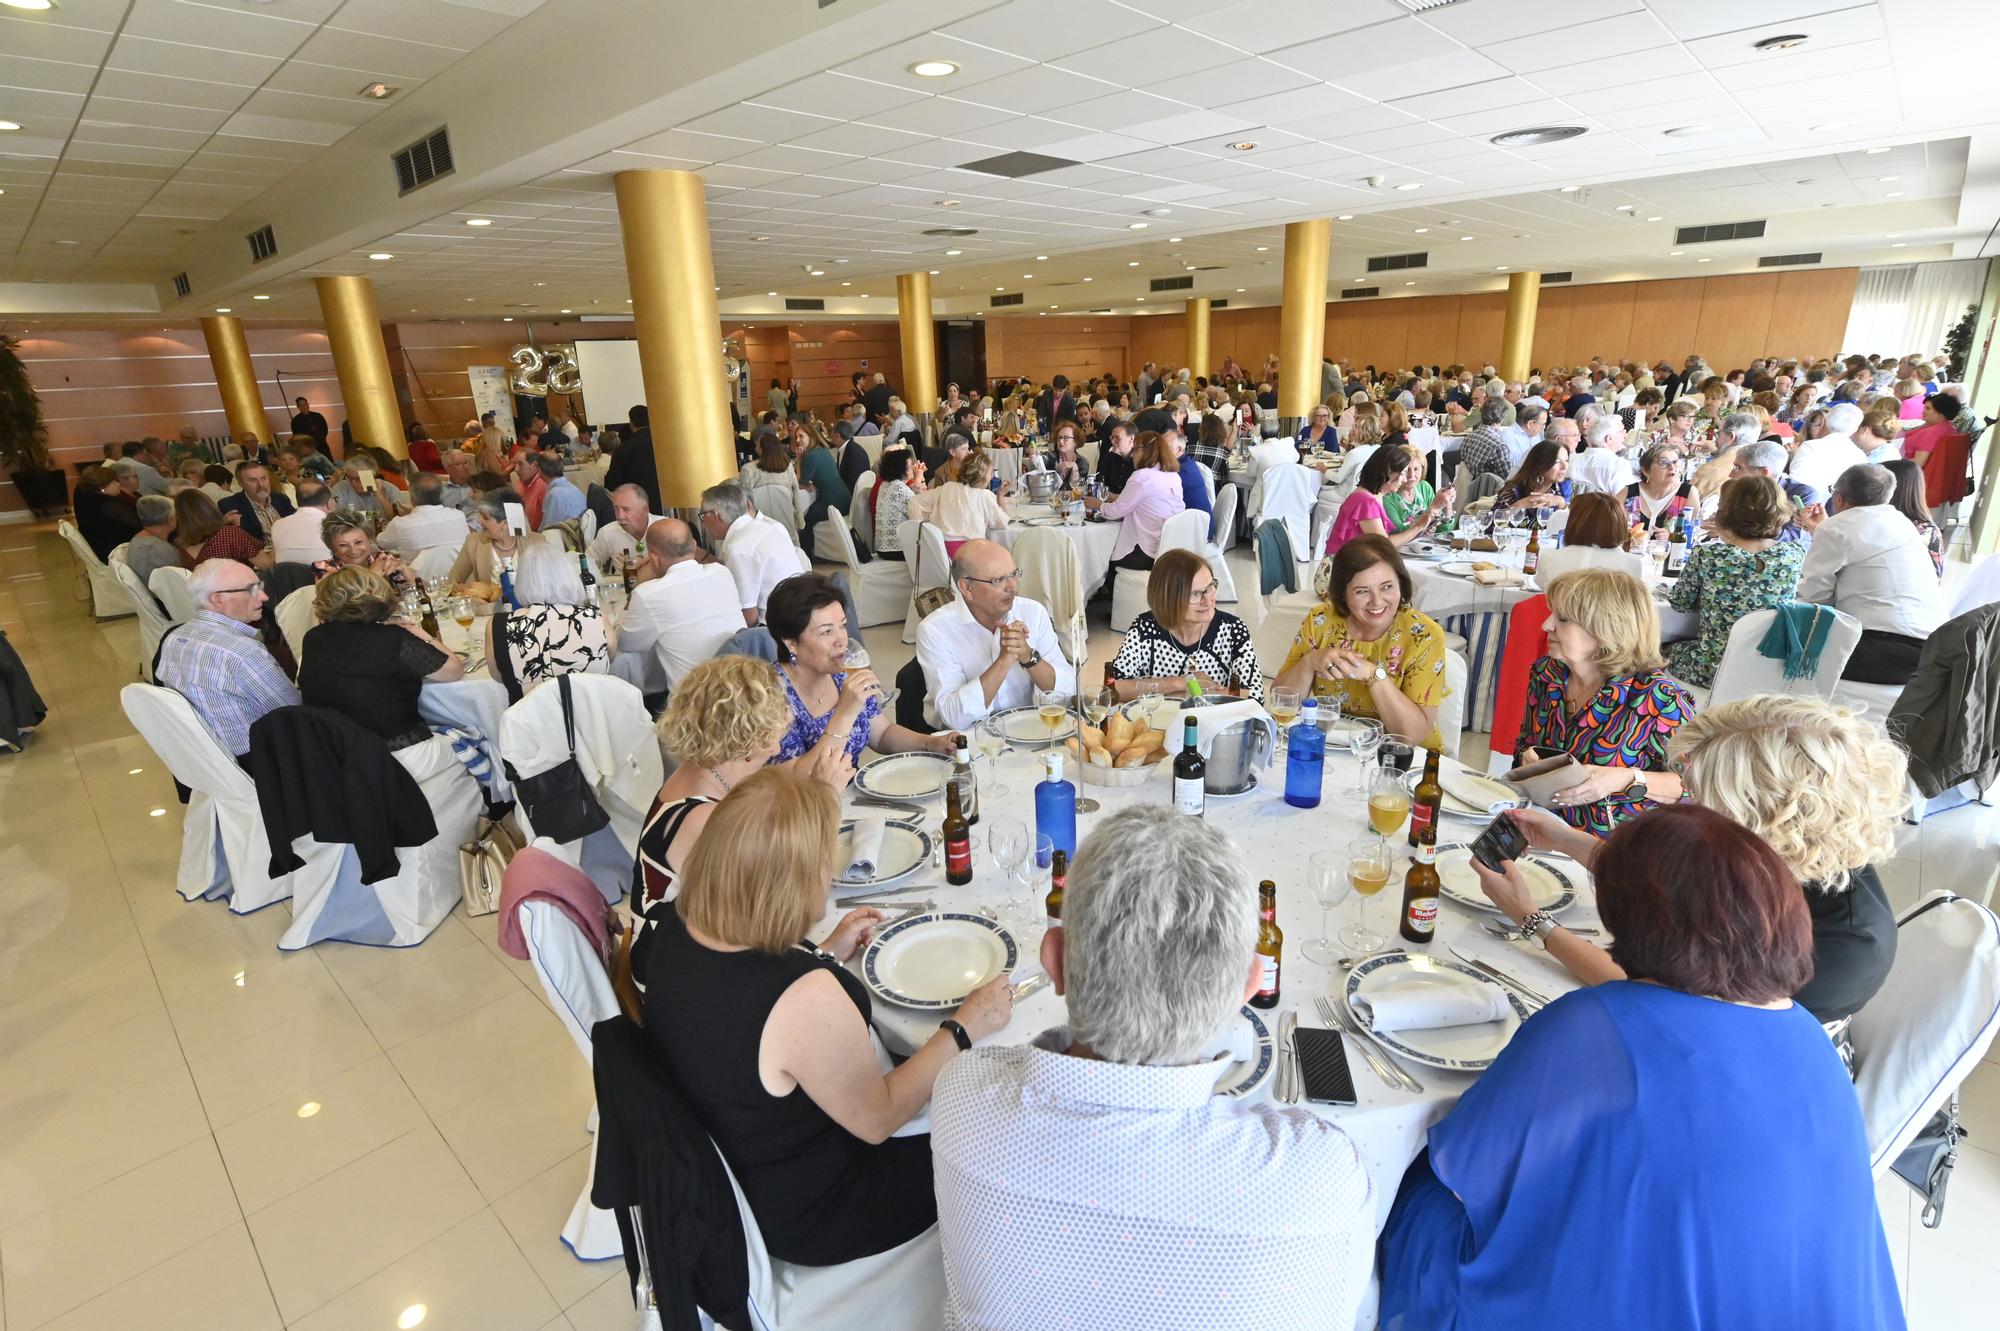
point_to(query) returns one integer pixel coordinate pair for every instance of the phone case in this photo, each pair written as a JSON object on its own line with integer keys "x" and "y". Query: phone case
{"x": 1500, "y": 842}
{"x": 1541, "y": 780}
{"x": 1323, "y": 1066}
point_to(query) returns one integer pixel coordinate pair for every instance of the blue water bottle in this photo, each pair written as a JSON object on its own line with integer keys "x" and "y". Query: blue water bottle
{"x": 1305, "y": 758}
{"x": 1055, "y": 805}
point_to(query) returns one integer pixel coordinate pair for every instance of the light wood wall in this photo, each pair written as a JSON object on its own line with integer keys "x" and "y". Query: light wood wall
{"x": 821, "y": 356}
{"x": 1041, "y": 348}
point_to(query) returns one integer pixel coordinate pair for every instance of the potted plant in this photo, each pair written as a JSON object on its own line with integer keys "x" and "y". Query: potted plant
{"x": 24, "y": 439}
{"x": 1958, "y": 342}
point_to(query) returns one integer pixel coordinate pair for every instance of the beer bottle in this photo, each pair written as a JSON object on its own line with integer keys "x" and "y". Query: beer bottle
{"x": 1058, "y": 876}
{"x": 627, "y": 571}
{"x": 1270, "y": 946}
{"x": 963, "y": 778}
{"x": 1420, "y": 896}
{"x": 1424, "y": 803}
{"x": 430, "y": 619}
{"x": 1531, "y": 558}
{"x": 1190, "y": 775}
{"x": 957, "y": 840}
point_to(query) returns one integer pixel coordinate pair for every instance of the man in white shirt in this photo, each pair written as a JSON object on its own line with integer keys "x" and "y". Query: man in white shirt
{"x": 1819, "y": 462}
{"x": 1529, "y": 423}
{"x": 681, "y": 610}
{"x": 991, "y": 648}
{"x": 428, "y": 523}
{"x": 1602, "y": 466}
{"x": 1094, "y": 1172}
{"x": 295, "y": 538}
{"x": 758, "y": 552}
{"x": 1868, "y": 561}
{"x": 626, "y": 536}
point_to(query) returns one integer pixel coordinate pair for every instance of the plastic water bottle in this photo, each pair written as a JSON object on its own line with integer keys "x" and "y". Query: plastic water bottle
{"x": 1305, "y": 758}
{"x": 1055, "y": 805}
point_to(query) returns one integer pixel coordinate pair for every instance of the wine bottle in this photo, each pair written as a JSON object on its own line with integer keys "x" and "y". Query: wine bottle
{"x": 968, "y": 784}
{"x": 1270, "y": 947}
{"x": 589, "y": 576}
{"x": 1190, "y": 775}
{"x": 957, "y": 840}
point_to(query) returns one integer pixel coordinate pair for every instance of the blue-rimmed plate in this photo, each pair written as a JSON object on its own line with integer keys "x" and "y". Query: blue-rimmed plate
{"x": 1241, "y": 1078}
{"x": 1450, "y": 1048}
{"x": 904, "y": 776}
{"x": 1549, "y": 886}
{"x": 906, "y": 848}
{"x": 1024, "y": 727}
{"x": 931, "y": 962}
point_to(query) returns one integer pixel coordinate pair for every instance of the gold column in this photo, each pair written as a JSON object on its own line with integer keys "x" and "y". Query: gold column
{"x": 913, "y": 312}
{"x": 361, "y": 360}
{"x": 229, "y": 354}
{"x": 1302, "y": 322}
{"x": 1517, "y": 339}
{"x": 664, "y": 219}
{"x": 1197, "y": 336}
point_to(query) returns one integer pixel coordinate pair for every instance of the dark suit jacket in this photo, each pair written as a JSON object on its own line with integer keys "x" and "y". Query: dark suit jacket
{"x": 877, "y": 398}
{"x": 632, "y": 464}
{"x": 1053, "y": 406}
{"x": 239, "y": 503}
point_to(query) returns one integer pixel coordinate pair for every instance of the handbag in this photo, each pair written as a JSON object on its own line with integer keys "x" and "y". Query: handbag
{"x": 928, "y": 600}
{"x": 1926, "y": 1163}
{"x": 482, "y": 863}
{"x": 559, "y": 802}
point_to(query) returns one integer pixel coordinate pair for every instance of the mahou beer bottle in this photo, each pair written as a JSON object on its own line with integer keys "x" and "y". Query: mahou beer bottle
{"x": 1270, "y": 946}
{"x": 1420, "y": 896}
{"x": 1424, "y": 803}
{"x": 957, "y": 840}
{"x": 1058, "y": 877}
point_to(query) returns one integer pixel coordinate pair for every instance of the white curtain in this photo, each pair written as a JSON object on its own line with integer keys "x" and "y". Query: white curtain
{"x": 1908, "y": 308}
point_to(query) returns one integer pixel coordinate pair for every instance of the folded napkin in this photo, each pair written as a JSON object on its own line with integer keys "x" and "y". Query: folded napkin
{"x": 1498, "y": 577}
{"x": 861, "y": 848}
{"x": 1236, "y": 1042}
{"x": 1427, "y": 1007}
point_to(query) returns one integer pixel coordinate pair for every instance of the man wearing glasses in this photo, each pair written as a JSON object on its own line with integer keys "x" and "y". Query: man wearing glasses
{"x": 990, "y": 649}
{"x": 216, "y": 660}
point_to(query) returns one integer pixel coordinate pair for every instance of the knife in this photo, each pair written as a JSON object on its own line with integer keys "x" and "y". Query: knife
{"x": 877, "y": 802}
{"x": 1032, "y": 985}
{"x": 1508, "y": 981}
{"x": 1286, "y": 1091}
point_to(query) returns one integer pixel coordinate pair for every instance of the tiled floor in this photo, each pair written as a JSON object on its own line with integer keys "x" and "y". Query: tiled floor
{"x": 197, "y": 1131}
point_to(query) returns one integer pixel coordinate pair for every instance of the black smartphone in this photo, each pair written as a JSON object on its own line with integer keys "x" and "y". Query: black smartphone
{"x": 1323, "y": 1065}
{"x": 1501, "y": 841}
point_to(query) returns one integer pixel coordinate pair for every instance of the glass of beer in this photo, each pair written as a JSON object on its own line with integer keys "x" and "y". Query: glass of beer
{"x": 1370, "y": 865}
{"x": 1053, "y": 708}
{"x": 1388, "y": 801}
{"x": 463, "y": 612}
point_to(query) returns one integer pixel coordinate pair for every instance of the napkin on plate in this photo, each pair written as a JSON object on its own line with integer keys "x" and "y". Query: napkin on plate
{"x": 1428, "y": 1007}
{"x": 862, "y": 848}
{"x": 1498, "y": 577}
{"x": 1236, "y": 1042}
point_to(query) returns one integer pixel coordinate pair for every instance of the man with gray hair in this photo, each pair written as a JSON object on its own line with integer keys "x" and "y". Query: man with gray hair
{"x": 990, "y": 649}
{"x": 626, "y": 537}
{"x": 682, "y": 610}
{"x": 1767, "y": 457}
{"x": 1602, "y": 467}
{"x": 1819, "y": 462}
{"x": 1868, "y": 560}
{"x": 1484, "y": 451}
{"x": 1530, "y": 421}
{"x": 758, "y": 552}
{"x": 216, "y": 660}
{"x": 296, "y": 538}
{"x": 429, "y": 523}
{"x": 151, "y": 549}
{"x": 561, "y": 500}
{"x": 1094, "y": 1168}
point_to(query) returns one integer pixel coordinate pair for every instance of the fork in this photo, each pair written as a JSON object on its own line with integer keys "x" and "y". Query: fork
{"x": 1390, "y": 1072}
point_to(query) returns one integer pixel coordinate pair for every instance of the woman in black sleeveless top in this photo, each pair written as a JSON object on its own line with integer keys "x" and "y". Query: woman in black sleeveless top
{"x": 765, "y": 1034}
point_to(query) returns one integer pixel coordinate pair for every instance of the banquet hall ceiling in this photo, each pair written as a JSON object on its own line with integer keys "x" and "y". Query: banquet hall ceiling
{"x": 156, "y": 134}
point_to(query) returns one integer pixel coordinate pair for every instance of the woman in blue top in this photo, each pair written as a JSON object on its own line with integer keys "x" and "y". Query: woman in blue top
{"x": 1677, "y": 1150}
{"x": 830, "y": 706}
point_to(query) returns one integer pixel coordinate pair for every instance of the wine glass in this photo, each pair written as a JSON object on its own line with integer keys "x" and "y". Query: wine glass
{"x": 1364, "y": 738}
{"x": 1007, "y": 842}
{"x": 1283, "y": 705}
{"x": 1052, "y": 705}
{"x": 1369, "y": 865}
{"x": 1328, "y": 876}
{"x": 1037, "y": 863}
{"x": 991, "y": 741}
{"x": 1388, "y": 801}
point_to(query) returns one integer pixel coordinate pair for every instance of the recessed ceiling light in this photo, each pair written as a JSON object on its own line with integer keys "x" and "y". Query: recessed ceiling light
{"x": 1244, "y": 146}
{"x": 770, "y": 293}
{"x": 1883, "y": 180}
{"x": 412, "y": 1316}
{"x": 934, "y": 69}
{"x": 506, "y": 318}
{"x": 222, "y": 309}
{"x": 953, "y": 254}
{"x": 29, "y": 4}
{"x": 1241, "y": 290}
{"x": 1893, "y": 194}
{"x": 1465, "y": 237}
{"x": 8, "y": 127}
{"x": 1055, "y": 307}
{"x": 1874, "y": 151}
{"x": 1345, "y": 217}
{"x": 1623, "y": 208}
{"x": 1652, "y": 219}
{"x": 382, "y": 256}
{"x": 1569, "y": 189}
{"x": 1422, "y": 229}
{"x": 847, "y": 284}
{"x": 1501, "y": 269}
{"x": 1090, "y": 279}
{"x": 1790, "y": 41}
{"x": 1156, "y": 212}
{"x": 1357, "y": 279}
{"x": 1675, "y": 254}
{"x": 309, "y": 1108}
{"x": 565, "y": 311}
{"x": 1540, "y": 134}
{"x": 1701, "y": 261}
{"x": 819, "y": 272}
{"x": 1409, "y": 284}
{"x": 1133, "y": 264}
{"x": 1026, "y": 276}
{"x": 946, "y": 203}
{"x": 1263, "y": 249}
{"x": 1137, "y": 226}
{"x": 999, "y": 288}
{"x": 1685, "y": 131}
{"x": 1410, "y": 185}
{"x": 377, "y": 92}
{"x": 1173, "y": 240}
{"x": 1041, "y": 258}
{"x": 1899, "y": 244}
{"x": 260, "y": 298}
{"x": 479, "y": 221}
{"x": 934, "y": 273}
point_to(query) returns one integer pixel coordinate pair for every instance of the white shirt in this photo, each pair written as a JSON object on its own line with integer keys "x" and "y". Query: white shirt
{"x": 423, "y": 527}
{"x": 1870, "y": 562}
{"x": 759, "y": 555}
{"x": 295, "y": 537}
{"x": 955, "y": 649}
{"x": 612, "y": 542}
{"x": 1819, "y": 462}
{"x": 683, "y": 618}
{"x": 960, "y": 512}
{"x": 1079, "y": 1193}
{"x": 1570, "y": 558}
{"x": 1600, "y": 470}
{"x": 1518, "y": 442}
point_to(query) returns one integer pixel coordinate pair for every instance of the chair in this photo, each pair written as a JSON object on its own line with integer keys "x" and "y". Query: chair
{"x": 1291, "y": 489}
{"x": 922, "y": 543}
{"x": 1954, "y": 677}
{"x": 435, "y": 561}
{"x": 107, "y": 596}
{"x": 858, "y": 516}
{"x": 1927, "y": 1027}
{"x": 296, "y": 618}
{"x": 1051, "y": 575}
{"x": 585, "y": 525}
{"x": 881, "y": 586}
{"x": 1208, "y": 480}
{"x": 1526, "y": 643}
{"x": 152, "y": 620}
{"x": 1451, "y": 711}
{"x": 1746, "y": 672}
{"x": 1186, "y": 530}
{"x": 1981, "y": 587}
{"x": 780, "y": 503}
{"x": 1280, "y": 602}
{"x": 1217, "y": 551}
{"x": 579, "y": 990}
{"x": 170, "y": 587}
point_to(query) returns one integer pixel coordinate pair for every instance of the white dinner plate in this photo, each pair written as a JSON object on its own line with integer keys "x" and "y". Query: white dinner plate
{"x": 1023, "y": 726}
{"x": 1476, "y": 792}
{"x": 1450, "y": 1048}
{"x": 1548, "y": 886}
{"x": 933, "y": 961}
{"x": 906, "y": 848}
{"x": 1241, "y": 1078}
{"x": 1463, "y": 568}
{"x": 1046, "y": 520}
{"x": 902, "y": 776}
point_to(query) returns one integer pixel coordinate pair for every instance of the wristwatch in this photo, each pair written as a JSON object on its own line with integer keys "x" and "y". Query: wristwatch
{"x": 1636, "y": 788}
{"x": 1538, "y": 926}
{"x": 1380, "y": 673}
{"x": 957, "y": 1032}
{"x": 1034, "y": 659}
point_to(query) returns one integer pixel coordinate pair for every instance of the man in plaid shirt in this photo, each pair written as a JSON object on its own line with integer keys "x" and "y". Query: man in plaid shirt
{"x": 1485, "y": 446}
{"x": 216, "y": 660}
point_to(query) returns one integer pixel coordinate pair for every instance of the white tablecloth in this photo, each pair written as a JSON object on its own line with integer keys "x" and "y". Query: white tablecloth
{"x": 1388, "y": 1126}
{"x": 1093, "y": 540}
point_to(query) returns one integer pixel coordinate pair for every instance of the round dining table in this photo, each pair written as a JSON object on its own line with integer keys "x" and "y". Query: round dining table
{"x": 1094, "y": 541}
{"x": 1387, "y": 1125}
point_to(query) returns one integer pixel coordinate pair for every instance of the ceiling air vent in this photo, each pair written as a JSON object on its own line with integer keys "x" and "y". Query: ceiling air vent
{"x": 1018, "y": 164}
{"x": 804, "y": 303}
{"x": 1218, "y": 305}
{"x": 1786, "y": 260}
{"x": 1014, "y": 299}
{"x": 952, "y": 231}
{"x": 262, "y": 244}
{"x": 423, "y": 161}
{"x": 1703, "y": 235}
{"x": 1556, "y": 277}
{"x": 1424, "y": 6}
{"x": 181, "y": 284}
{"x": 1389, "y": 263}
{"x": 1356, "y": 293}
{"x": 1171, "y": 284}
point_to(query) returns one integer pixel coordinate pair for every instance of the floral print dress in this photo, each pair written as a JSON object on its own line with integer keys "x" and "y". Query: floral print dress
{"x": 1412, "y": 652}
{"x": 1723, "y": 583}
{"x": 806, "y": 729}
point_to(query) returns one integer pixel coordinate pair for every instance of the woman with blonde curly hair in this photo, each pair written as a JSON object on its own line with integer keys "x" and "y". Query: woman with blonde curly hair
{"x": 1821, "y": 788}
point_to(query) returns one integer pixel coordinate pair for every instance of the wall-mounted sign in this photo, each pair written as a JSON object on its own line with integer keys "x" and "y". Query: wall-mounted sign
{"x": 489, "y": 393}
{"x": 833, "y": 367}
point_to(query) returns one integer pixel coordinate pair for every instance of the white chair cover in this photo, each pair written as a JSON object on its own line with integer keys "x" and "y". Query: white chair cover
{"x": 1929, "y": 1024}
{"x": 1981, "y": 587}
{"x": 1451, "y": 712}
{"x": 1278, "y": 626}
{"x": 1051, "y": 575}
{"x": 858, "y": 516}
{"x": 579, "y": 990}
{"x": 296, "y": 618}
{"x": 1226, "y": 503}
{"x": 782, "y": 505}
{"x": 1128, "y": 594}
{"x": 1186, "y": 530}
{"x": 170, "y": 586}
{"x": 587, "y": 526}
{"x": 476, "y": 707}
{"x": 1290, "y": 491}
{"x": 881, "y": 587}
{"x": 1207, "y": 479}
{"x": 1216, "y": 551}
{"x": 435, "y": 561}
{"x": 922, "y": 543}
{"x": 152, "y": 623}
{"x": 108, "y": 597}
{"x": 1745, "y": 672}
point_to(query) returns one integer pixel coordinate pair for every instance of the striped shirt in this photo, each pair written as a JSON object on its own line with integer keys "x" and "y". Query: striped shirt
{"x": 223, "y": 670}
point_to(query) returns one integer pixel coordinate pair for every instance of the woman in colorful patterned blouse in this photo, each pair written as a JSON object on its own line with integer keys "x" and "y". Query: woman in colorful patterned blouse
{"x": 1603, "y": 696}
{"x": 1659, "y": 497}
{"x": 1183, "y": 636}
{"x": 1744, "y": 570}
{"x": 1366, "y": 646}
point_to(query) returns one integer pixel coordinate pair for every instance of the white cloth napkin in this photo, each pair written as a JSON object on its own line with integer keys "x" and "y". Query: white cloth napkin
{"x": 1236, "y": 1042}
{"x": 1427, "y": 1007}
{"x": 863, "y": 848}
{"x": 1498, "y": 577}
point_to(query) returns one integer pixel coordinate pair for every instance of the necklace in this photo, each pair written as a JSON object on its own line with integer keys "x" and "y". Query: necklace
{"x": 719, "y": 779}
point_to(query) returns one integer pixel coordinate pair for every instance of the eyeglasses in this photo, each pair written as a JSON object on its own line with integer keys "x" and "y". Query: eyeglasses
{"x": 232, "y": 591}
{"x": 1004, "y": 580}
{"x": 1203, "y": 593}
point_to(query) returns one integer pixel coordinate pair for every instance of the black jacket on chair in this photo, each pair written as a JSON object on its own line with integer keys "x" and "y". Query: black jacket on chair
{"x": 321, "y": 774}
{"x": 654, "y": 1155}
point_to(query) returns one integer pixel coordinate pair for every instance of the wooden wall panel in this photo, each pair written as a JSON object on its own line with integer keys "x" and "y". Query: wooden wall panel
{"x": 1735, "y": 320}
{"x": 1041, "y": 348}
{"x": 1664, "y": 318}
{"x": 1433, "y": 330}
{"x": 1809, "y": 316}
{"x": 1482, "y": 318}
{"x": 1160, "y": 338}
{"x": 1600, "y": 319}
{"x": 1552, "y": 319}
{"x": 824, "y": 356}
